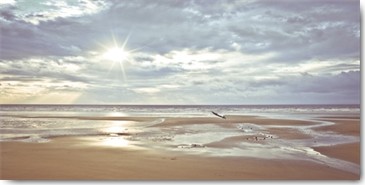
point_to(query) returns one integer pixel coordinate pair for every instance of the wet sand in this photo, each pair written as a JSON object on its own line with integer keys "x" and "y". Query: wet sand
{"x": 346, "y": 126}
{"x": 89, "y": 158}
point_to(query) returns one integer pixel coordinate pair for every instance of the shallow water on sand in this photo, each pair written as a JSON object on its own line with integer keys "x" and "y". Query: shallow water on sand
{"x": 38, "y": 122}
{"x": 241, "y": 138}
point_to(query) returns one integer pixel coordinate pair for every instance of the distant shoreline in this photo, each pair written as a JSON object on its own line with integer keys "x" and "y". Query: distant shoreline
{"x": 162, "y": 105}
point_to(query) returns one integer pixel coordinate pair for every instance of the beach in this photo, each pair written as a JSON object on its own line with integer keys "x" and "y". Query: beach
{"x": 240, "y": 147}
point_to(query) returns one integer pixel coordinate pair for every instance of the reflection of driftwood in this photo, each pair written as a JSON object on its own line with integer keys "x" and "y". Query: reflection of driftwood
{"x": 223, "y": 117}
{"x": 118, "y": 134}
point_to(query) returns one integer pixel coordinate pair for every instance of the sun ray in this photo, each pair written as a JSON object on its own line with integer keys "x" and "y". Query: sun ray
{"x": 111, "y": 67}
{"x": 126, "y": 40}
{"x": 117, "y": 53}
{"x": 123, "y": 72}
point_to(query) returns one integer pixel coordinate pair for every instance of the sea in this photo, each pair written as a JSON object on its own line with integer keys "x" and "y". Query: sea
{"x": 38, "y": 123}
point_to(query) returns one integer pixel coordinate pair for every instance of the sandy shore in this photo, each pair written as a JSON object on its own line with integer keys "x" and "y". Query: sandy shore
{"x": 81, "y": 157}
{"x": 346, "y": 126}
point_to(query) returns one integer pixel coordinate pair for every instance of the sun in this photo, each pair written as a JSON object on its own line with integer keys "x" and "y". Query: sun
{"x": 116, "y": 54}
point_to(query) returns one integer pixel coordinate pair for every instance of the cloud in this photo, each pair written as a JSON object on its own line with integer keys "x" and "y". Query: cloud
{"x": 300, "y": 31}
{"x": 345, "y": 82}
{"x": 252, "y": 51}
{"x": 7, "y": 15}
{"x": 50, "y": 10}
{"x": 43, "y": 68}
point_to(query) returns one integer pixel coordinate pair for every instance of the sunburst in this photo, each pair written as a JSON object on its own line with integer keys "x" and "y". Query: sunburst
{"x": 117, "y": 54}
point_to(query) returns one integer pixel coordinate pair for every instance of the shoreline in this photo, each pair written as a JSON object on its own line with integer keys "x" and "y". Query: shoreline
{"x": 238, "y": 148}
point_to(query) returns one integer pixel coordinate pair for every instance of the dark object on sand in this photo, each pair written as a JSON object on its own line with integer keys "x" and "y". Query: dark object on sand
{"x": 223, "y": 117}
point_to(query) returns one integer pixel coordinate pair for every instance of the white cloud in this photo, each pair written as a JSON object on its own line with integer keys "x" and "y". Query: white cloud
{"x": 7, "y": 2}
{"x": 47, "y": 10}
{"x": 146, "y": 90}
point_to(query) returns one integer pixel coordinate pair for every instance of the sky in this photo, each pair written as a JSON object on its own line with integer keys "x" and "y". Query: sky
{"x": 180, "y": 52}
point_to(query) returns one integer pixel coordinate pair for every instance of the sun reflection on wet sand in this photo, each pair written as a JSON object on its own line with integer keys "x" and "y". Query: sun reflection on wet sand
{"x": 116, "y": 114}
{"x": 116, "y": 133}
{"x": 115, "y": 141}
{"x": 117, "y": 129}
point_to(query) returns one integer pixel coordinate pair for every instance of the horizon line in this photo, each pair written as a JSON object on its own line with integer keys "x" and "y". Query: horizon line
{"x": 82, "y": 104}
